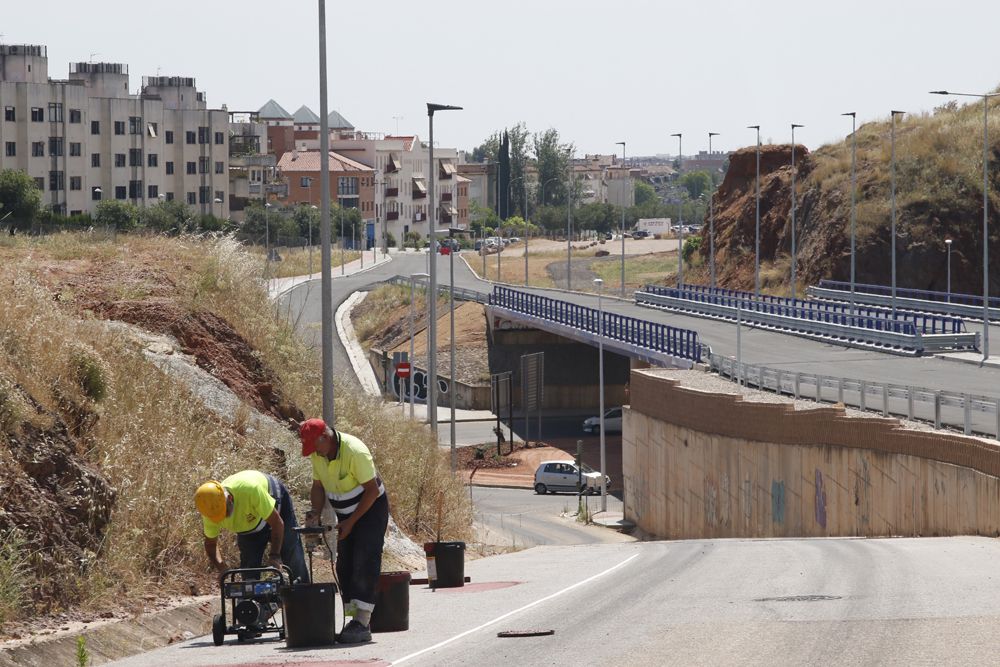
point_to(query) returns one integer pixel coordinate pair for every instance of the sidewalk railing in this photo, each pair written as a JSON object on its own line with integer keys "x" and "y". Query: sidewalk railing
{"x": 906, "y": 333}
{"x": 967, "y": 306}
{"x": 662, "y": 338}
{"x": 971, "y": 413}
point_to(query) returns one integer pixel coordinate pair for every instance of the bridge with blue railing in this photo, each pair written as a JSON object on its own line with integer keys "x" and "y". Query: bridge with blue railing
{"x": 653, "y": 342}
{"x": 966, "y": 306}
{"x": 863, "y": 326}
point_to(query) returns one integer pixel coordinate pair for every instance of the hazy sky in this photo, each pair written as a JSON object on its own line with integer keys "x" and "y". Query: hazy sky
{"x": 599, "y": 72}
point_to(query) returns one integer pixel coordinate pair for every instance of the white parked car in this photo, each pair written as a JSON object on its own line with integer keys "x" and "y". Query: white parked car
{"x": 553, "y": 476}
{"x": 612, "y": 422}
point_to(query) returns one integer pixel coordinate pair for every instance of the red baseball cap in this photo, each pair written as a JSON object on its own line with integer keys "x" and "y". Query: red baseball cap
{"x": 309, "y": 432}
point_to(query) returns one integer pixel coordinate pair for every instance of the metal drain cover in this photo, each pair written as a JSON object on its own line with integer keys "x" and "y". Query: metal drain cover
{"x": 800, "y": 598}
{"x": 525, "y": 633}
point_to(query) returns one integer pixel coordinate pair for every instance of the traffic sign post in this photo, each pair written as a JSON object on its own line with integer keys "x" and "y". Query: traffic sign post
{"x": 401, "y": 366}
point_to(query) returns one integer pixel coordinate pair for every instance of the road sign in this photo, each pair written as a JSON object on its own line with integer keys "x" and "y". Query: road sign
{"x": 403, "y": 369}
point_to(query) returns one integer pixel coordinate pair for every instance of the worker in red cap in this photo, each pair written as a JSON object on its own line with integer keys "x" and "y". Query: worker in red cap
{"x": 258, "y": 508}
{"x": 344, "y": 473}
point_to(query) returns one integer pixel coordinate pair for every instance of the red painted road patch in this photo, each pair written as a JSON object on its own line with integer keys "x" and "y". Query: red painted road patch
{"x": 479, "y": 587}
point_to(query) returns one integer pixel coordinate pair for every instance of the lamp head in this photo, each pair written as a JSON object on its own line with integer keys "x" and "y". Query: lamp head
{"x": 431, "y": 108}
{"x": 897, "y": 113}
{"x": 676, "y": 134}
{"x": 947, "y": 241}
{"x": 713, "y": 134}
{"x": 940, "y": 92}
{"x": 795, "y": 125}
{"x": 852, "y": 114}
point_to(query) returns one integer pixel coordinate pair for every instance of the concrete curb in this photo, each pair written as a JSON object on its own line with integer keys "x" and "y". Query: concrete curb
{"x": 359, "y": 362}
{"x": 971, "y": 362}
{"x": 113, "y": 640}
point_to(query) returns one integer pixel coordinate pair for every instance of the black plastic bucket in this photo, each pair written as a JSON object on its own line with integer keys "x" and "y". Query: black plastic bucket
{"x": 392, "y": 603}
{"x": 310, "y": 614}
{"x": 445, "y": 564}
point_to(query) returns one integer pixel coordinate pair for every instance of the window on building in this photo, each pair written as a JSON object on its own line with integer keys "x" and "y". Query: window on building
{"x": 168, "y": 137}
{"x": 203, "y": 165}
{"x": 203, "y": 135}
{"x": 95, "y": 127}
{"x": 9, "y": 115}
{"x": 220, "y": 167}
{"x": 11, "y": 148}
{"x": 121, "y": 192}
{"x": 37, "y": 115}
{"x": 347, "y": 185}
{"x": 75, "y": 149}
{"x": 75, "y": 116}
{"x": 192, "y": 198}
{"x": 220, "y": 138}
{"x": 153, "y": 192}
{"x": 134, "y": 126}
{"x": 55, "y": 112}
{"x": 74, "y": 213}
{"x": 59, "y": 209}
{"x": 192, "y": 168}
{"x": 95, "y": 193}
{"x": 189, "y": 137}
{"x": 204, "y": 192}
{"x": 56, "y": 181}
{"x": 152, "y": 160}
{"x": 220, "y": 195}
{"x": 135, "y": 157}
{"x": 56, "y": 146}
{"x": 152, "y": 129}
{"x": 75, "y": 182}
{"x": 95, "y": 159}
{"x": 37, "y": 149}
{"x": 170, "y": 196}
{"x": 135, "y": 189}
{"x": 170, "y": 168}
{"x": 119, "y": 159}
{"x": 39, "y": 183}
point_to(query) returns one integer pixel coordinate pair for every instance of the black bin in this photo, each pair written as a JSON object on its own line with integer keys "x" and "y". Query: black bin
{"x": 310, "y": 614}
{"x": 392, "y": 603}
{"x": 445, "y": 564}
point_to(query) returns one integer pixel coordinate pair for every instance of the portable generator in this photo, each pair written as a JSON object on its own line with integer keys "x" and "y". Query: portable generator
{"x": 254, "y": 603}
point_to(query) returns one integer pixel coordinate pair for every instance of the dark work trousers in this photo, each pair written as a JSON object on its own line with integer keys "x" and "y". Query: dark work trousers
{"x": 252, "y": 545}
{"x": 359, "y": 555}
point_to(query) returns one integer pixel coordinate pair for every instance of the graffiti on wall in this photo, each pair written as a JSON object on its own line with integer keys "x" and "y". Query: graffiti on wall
{"x": 401, "y": 390}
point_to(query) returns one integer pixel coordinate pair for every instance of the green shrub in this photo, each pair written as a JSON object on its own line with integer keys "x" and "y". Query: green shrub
{"x": 90, "y": 373}
{"x": 15, "y": 577}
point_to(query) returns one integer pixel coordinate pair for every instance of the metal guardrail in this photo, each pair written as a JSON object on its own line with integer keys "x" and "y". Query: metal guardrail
{"x": 973, "y": 414}
{"x": 461, "y": 293}
{"x": 832, "y": 291}
{"x": 654, "y": 336}
{"x": 910, "y": 293}
{"x": 857, "y": 330}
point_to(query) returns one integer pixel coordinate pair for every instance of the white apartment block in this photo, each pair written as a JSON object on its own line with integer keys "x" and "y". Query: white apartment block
{"x": 86, "y": 138}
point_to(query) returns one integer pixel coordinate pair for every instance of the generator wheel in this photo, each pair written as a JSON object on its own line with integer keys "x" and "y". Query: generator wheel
{"x": 218, "y": 630}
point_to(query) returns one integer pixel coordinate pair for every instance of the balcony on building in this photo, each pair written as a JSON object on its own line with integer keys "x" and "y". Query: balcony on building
{"x": 392, "y": 215}
{"x": 392, "y": 192}
{"x": 445, "y": 196}
{"x": 419, "y": 188}
{"x": 448, "y": 213}
{"x": 392, "y": 164}
{"x": 419, "y": 216}
{"x": 447, "y": 170}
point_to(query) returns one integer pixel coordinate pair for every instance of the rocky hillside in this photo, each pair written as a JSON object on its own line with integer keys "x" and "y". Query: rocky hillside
{"x": 938, "y": 196}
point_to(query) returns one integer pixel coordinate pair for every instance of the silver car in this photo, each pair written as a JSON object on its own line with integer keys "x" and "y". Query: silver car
{"x": 612, "y": 422}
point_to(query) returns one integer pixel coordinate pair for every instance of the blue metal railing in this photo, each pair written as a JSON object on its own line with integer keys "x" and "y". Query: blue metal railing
{"x": 865, "y": 317}
{"x": 908, "y": 293}
{"x": 633, "y": 331}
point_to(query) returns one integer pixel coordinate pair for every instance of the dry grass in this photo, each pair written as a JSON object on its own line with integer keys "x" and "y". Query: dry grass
{"x": 639, "y": 270}
{"x": 296, "y": 261}
{"x": 153, "y": 440}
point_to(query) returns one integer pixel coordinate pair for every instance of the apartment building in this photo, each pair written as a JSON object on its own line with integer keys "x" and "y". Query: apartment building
{"x": 86, "y": 138}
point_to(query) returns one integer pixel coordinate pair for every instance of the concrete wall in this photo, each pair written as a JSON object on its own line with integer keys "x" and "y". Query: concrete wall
{"x": 469, "y": 397}
{"x": 702, "y": 465}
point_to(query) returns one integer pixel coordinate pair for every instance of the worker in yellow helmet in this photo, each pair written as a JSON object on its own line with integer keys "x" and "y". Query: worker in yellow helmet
{"x": 258, "y": 508}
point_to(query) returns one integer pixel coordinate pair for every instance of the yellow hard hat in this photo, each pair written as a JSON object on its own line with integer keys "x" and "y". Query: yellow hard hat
{"x": 210, "y": 499}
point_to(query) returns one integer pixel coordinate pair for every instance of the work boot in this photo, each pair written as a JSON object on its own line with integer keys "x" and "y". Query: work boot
{"x": 355, "y": 633}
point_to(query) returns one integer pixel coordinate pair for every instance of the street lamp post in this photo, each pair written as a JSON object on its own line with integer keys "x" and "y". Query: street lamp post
{"x": 451, "y": 338}
{"x": 432, "y": 263}
{"x": 510, "y": 186}
{"x": 986, "y": 192}
{"x": 622, "y": 144}
{"x": 267, "y": 238}
{"x": 329, "y": 410}
{"x": 854, "y": 191}
{"x": 756, "y": 244}
{"x": 537, "y": 206}
{"x": 947, "y": 242}
{"x": 600, "y": 383}
{"x": 711, "y": 217}
{"x": 680, "y": 211}
{"x": 892, "y": 159}
{"x": 794, "y": 125}
{"x": 409, "y": 383}
{"x": 312, "y": 207}
{"x": 569, "y": 224}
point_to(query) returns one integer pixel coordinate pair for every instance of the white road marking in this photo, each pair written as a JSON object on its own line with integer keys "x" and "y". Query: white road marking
{"x": 516, "y": 611}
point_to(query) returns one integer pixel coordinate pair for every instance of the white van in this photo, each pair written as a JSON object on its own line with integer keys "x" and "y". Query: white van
{"x": 552, "y": 476}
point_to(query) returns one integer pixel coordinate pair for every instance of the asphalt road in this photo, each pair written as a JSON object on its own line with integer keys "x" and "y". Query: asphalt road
{"x": 923, "y": 601}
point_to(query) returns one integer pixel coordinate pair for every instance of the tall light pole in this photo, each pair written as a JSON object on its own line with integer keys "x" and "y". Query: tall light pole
{"x": 569, "y": 223}
{"x": 432, "y": 262}
{"x": 854, "y": 191}
{"x": 947, "y": 242}
{"x": 537, "y": 206}
{"x": 267, "y": 238}
{"x": 509, "y": 187}
{"x": 756, "y": 244}
{"x": 986, "y": 238}
{"x": 413, "y": 279}
{"x": 892, "y": 159}
{"x": 622, "y": 144}
{"x": 711, "y": 217}
{"x": 324, "y": 172}
{"x": 794, "y": 255}
{"x": 680, "y": 211}
{"x": 451, "y": 339}
{"x": 312, "y": 208}
{"x": 600, "y": 383}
